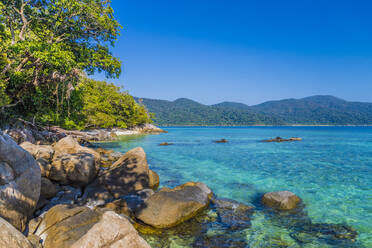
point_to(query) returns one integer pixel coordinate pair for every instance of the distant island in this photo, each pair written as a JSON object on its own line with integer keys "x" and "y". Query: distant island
{"x": 313, "y": 110}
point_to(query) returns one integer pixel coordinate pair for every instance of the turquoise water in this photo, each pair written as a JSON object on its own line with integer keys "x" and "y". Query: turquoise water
{"x": 331, "y": 170}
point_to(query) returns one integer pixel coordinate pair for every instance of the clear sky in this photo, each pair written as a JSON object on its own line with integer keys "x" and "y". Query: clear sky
{"x": 246, "y": 51}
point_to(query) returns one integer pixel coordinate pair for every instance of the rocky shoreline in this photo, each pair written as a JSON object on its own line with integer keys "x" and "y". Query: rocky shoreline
{"x": 64, "y": 194}
{"x": 28, "y": 132}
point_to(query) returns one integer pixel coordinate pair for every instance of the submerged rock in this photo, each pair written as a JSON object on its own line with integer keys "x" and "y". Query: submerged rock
{"x": 74, "y": 227}
{"x": 281, "y": 200}
{"x": 234, "y": 214}
{"x": 19, "y": 183}
{"x": 220, "y": 241}
{"x": 170, "y": 207}
{"x": 165, "y": 144}
{"x": 331, "y": 232}
{"x": 11, "y": 237}
{"x": 280, "y": 139}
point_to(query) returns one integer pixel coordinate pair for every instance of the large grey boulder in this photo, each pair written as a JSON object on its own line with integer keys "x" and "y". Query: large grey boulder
{"x": 70, "y": 145}
{"x": 170, "y": 207}
{"x": 11, "y": 237}
{"x": 66, "y": 226}
{"x": 19, "y": 183}
{"x": 77, "y": 169}
{"x": 39, "y": 151}
{"x": 129, "y": 174}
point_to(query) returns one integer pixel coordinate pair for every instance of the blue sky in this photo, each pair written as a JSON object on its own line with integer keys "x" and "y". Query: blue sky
{"x": 245, "y": 51}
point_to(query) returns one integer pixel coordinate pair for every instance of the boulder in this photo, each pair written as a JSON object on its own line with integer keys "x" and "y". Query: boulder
{"x": 127, "y": 175}
{"x": 6, "y": 173}
{"x": 170, "y": 207}
{"x": 44, "y": 166}
{"x": 102, "y": 151}
{"x": 35, "y": 241}
{"x": 108, "y": 157}
{"x": 11, "y": 237}
{"x": 48, "y": 189}
{"x": 70, "y": 145}
{"x": 77, "y": 169}
{"x": 154, "y": 180}
{"x": 115, "y": 156}
{"x": 39, "y": 151}
{"x": 119, "y": 206}
{"x": 20, "y": 135}
{"x": 137, "y": 200}
{"x": 68, "y": 195}
{"x": 76, "y": 227}
{"x": 33, "y": 225}
{"x": 19, "y": 183}
{"x": 149, "y": 129}
{"x": 234, "y": 214}
{"x": 281, "y": 200}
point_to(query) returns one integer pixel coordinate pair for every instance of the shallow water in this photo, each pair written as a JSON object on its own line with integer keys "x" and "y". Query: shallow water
{"x": 331, "y": 170}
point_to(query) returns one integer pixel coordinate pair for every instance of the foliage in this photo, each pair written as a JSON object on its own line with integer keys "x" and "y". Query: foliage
{"x": 316, "y": 110}
{"x": 46, "y": 49}
{"x": 48, "y": 44}
{"x": 187, "y": 112}
{"x": 105, "y": 106}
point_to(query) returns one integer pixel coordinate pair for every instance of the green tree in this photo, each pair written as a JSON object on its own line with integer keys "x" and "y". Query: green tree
{"x": 104, "y": 105}
{"x": 46, "y": 47}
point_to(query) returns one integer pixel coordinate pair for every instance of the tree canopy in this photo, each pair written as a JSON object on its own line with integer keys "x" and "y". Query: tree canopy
{"x": 104, "y": 105}
{"x": 47, "y": 47}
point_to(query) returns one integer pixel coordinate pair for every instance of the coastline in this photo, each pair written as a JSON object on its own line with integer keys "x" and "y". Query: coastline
{"x": 212, "y": 208}
{"x": 29, "y": 132}
{"x": 170, "y": 180}
{"x": 237, "y": 126}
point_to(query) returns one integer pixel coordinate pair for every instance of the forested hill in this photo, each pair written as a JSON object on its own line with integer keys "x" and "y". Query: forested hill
{"x": 314, "y": 110}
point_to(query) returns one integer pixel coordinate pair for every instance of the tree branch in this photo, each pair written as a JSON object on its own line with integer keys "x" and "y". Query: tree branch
{"x": 9, "y": 105}
{"x": 6, "y": 68}
{"x": 24, "y": 20}
{"x": 23, "y": 62}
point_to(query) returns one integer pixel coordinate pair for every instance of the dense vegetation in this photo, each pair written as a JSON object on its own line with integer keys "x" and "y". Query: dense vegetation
{"x": 104, "y": 105}
{"x": 187, "y": 112}
{"x": 47, "y": 49}
{"x": 316, "y": 110}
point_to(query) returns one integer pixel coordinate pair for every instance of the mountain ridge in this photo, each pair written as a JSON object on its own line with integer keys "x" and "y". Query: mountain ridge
{"x": 312, "y": 110}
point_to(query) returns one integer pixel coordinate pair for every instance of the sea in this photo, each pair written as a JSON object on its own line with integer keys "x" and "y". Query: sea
{"x": 330, "y": 170}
